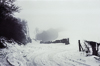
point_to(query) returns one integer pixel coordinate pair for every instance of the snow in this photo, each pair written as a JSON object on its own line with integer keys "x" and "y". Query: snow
{"x": 36, "y": 54}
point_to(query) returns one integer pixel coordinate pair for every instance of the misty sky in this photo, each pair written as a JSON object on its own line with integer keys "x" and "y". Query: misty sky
{"x": 77, "y": 18}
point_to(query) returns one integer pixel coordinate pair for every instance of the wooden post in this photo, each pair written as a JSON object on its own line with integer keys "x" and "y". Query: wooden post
{"x": 97, "y": 48}
{"x": 80, "y": 47}
{"x": 67, "y": 40}
{"x": 93, "y": 45}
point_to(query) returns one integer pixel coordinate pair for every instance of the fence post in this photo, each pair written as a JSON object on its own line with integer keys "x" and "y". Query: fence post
{"x": 68, "y": 40}
{"x": 79, "y": 45}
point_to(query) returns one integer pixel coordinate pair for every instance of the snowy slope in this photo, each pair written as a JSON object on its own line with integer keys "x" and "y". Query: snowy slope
{"x": 35, "y": 54}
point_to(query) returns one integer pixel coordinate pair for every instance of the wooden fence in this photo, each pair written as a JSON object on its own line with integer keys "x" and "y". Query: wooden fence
{"x": 94, "y": 46}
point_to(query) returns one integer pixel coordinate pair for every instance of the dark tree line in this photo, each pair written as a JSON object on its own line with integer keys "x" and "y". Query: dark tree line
{"x": 11, "y": 27}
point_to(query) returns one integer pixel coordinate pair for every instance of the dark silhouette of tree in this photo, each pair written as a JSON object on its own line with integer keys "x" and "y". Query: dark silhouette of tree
{"x": 11, "y": 27}
{"x": 7, "y": 7}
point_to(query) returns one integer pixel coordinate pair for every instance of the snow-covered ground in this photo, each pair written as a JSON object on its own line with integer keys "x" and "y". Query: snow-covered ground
{"x": 36, "y": 54}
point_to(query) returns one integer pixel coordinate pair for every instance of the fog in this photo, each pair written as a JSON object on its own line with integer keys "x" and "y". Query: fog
{"x": 78, "y": 18}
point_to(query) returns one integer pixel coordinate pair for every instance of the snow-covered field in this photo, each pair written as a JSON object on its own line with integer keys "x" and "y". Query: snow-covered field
{"x": 36, "y": 54}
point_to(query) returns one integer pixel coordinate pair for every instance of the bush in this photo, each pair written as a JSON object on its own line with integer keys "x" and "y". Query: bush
{"x": 13, "y": 28}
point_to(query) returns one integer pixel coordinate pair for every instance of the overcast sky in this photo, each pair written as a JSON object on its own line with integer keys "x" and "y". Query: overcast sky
{"x": 77, "y": 18}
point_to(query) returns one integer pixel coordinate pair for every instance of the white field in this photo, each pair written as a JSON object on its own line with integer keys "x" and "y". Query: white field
{"x": 36, "y": 54}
